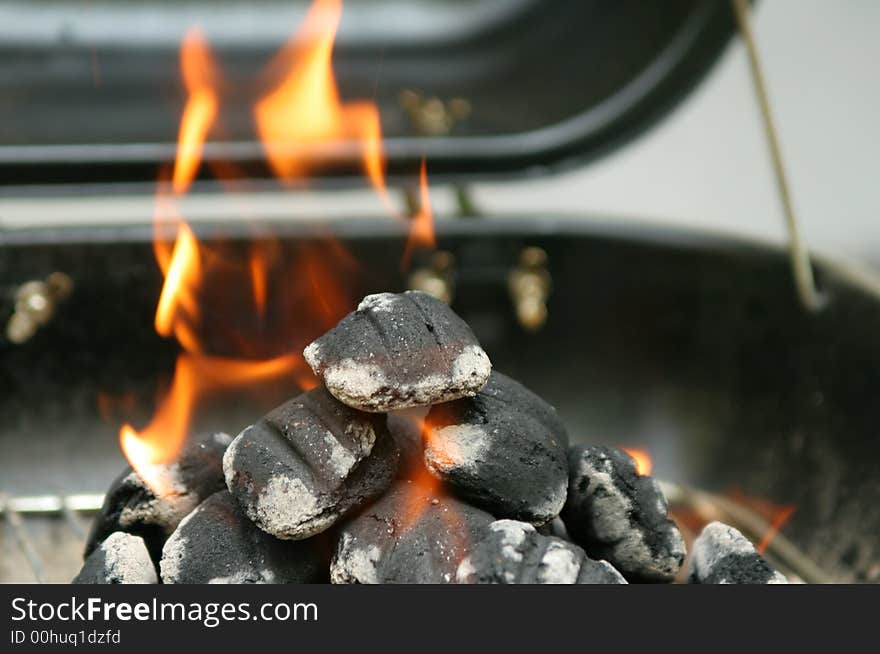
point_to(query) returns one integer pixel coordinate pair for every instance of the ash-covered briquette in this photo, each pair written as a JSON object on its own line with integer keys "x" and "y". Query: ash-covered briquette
{"x": 307, "y": 463}
{"x": 120, "y": 559}
{"x": 515, "y": 553}
{"x": 217, "y": 544}
{"x": 503, "y": 450}
{"x": 131, "y": 506}
{"x": 722, "y": 555}
{"x": 398, "y": 351}
{"x": 413, "y": 535}
{"x": 617, "y": 515}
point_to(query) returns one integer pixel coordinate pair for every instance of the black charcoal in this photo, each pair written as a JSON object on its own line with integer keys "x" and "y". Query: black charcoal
{"x": 398, "y": 351}
{"x": 217, "y": 544}
{"x": 617, "y": 515}
{"x": 722, "y": 555}
{"x": 504, "y": 450}
{"x": 406, "y": 428}
{"x": 413, "y": 535}
{"x": 307, "y": 463}
{"x": 131, "y": 506}
{"x": 515, "y": 553}
{"x": 119, "y": 559}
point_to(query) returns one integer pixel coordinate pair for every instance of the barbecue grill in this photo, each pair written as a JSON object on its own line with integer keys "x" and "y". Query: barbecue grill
{"x": 691, "y": 346}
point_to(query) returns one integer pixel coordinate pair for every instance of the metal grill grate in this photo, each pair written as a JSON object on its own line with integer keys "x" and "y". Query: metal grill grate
{"x": 42, "y": 537}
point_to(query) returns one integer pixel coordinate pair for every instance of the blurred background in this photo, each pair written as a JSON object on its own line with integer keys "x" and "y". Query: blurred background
{"x": 704, "y": 165}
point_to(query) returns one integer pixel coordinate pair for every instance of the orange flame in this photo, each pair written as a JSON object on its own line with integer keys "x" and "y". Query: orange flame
{"x": 181, "y": 281}
{"x": 202, "y": 282}
{"x": 236, "y": 328}
{"x": 421, "y": 232}
{"x": 199, "y": 77}
{"x": 644, "y": 464}
{"x": 304, "y": 109}
{"x": 195, "y": 377}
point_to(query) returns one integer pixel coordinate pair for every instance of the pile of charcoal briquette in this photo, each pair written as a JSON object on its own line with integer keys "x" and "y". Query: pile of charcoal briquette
{"x": 414, "y": 462}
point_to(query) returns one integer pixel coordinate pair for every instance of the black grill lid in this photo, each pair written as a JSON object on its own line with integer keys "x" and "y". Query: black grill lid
{"x": 549, "y": 83}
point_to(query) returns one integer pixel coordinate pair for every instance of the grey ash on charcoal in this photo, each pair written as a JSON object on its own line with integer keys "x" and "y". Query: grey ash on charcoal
{"x": 307, "y": 463}
{"x": 413, "y": 535}
{"x": 414, "y": 496}
{"x": 617, "y": 515}
{"x": 398, "y": 351}
{"x": 515, "y": 553}
{"x": 503, "y": 449}
{"x": 218, "y": 544}
{"x": 131, "y": 506}
{"x": 722, "y": 555}
{"x": 119, "y": 559}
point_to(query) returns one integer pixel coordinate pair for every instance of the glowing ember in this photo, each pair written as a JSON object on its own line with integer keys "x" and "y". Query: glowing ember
{"x": 644, "y": 465}
{"x": 421, "y": 233}
{"x": 425, "y": 486}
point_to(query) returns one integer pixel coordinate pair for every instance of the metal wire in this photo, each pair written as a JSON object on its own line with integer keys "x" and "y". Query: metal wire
{"x": 14, "y": 509}
{"x": 802, "y": 269}
{"x": 710, "y": 506}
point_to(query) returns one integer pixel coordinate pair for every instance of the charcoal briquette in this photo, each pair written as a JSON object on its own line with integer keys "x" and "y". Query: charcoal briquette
{"x": 217, "y": 544}
{"x": 120, "y": 558}
{"x": 413, "y": 534}
{"x": 307, "y": 463}
{"x": 398, "y": 351}
{"x": 722, "y": 555}
{"x": 515, "y": 553}
{"x": 131, "y": 506}
{"x": 503, "y": 450}
{"x": 620, "y": 516}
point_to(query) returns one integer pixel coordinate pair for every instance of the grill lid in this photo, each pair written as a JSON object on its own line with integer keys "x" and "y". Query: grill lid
{"x": 94, "y": 94}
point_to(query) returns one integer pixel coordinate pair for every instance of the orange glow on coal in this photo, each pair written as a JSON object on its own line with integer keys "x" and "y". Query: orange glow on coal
{"x": 421, "y": 232}
{"x": 199, "y": 77}
{"x": 303, "y": 113}
{"x": 644, "y": 465}
{"x": 424, "y": 486}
